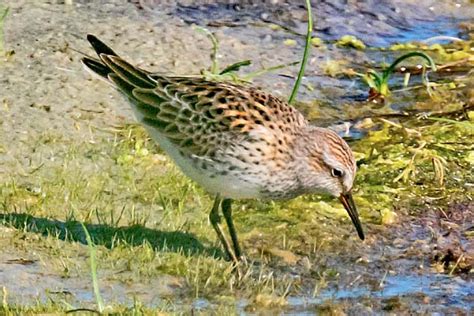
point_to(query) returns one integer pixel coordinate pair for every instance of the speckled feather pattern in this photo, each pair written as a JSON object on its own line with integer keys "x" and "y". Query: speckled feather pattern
{"x": 234, "y": 140}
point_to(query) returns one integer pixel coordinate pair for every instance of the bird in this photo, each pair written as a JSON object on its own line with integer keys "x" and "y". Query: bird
{"x": 236, "y": 141}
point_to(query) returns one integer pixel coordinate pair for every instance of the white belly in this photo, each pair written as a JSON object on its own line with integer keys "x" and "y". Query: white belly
{"x": 227, "y": 186}
{"x": 259, "y": 182}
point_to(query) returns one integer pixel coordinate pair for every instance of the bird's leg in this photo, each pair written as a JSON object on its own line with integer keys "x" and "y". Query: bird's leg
{"x": 215, "y": 220}
{"x": 227, "y": 211}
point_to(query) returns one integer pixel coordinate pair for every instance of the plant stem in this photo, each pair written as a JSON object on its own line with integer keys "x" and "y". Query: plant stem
{"x": 305, "y": 53}
{"x": 235, "y": 67}
{"x": 95, "y": 282}
{"x": 260, "y": 72}
{"x": 215, "y": 48}
{"x": 387, "y": 72}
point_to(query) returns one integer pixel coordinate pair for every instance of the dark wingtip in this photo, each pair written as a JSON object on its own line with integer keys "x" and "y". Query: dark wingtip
{"x": 99, "y": 46}
{"x": 96, "y": 66}
{"x": 91, "y": 38}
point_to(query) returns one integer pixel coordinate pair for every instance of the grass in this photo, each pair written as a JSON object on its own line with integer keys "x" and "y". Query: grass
{"x": 93, "y": 263}
{"x": 149, "y": 221}
{"x": 3, "y": 15}
{"x": 160, "y": 229}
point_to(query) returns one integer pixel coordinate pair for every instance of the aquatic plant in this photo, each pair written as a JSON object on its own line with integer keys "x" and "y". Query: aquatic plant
{"x": 230, "y": 71}
{"x": 305, "y": 53}
{"x": 214, "y": 72}
{"x": 378, "y": 82}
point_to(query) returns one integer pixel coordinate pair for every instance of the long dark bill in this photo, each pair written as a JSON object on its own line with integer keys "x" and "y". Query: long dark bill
{"x": 348, "y": 202}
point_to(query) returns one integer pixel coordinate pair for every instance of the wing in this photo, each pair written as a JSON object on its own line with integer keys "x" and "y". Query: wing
{"x": 192, "y": 112}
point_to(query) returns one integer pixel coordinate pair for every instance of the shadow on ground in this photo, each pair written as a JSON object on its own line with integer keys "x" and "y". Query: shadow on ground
{"x": 108, "y": 236}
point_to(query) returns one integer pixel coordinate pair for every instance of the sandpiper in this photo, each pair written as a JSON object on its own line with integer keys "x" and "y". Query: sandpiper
{"x": 236, "y": 141}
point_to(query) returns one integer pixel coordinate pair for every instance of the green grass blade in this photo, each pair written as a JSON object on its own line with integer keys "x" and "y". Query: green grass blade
{"x": 95, "y": 281}
{"x": 235, "y": 67}
{"x": 388, "y": 72}
{"x": 376, "y": 79}
{"x": 305, "y": 53}
{"x": 260, "y": 72}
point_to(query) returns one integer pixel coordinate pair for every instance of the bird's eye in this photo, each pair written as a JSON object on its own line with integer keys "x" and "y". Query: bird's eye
{"x": 336, "y": 173}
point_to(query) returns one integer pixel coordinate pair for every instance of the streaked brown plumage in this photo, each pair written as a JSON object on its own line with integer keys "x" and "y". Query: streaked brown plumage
{"x": 236, "y": 141}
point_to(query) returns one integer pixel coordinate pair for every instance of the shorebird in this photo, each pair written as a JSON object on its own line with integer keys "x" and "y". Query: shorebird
{"x": 236, "y": 141}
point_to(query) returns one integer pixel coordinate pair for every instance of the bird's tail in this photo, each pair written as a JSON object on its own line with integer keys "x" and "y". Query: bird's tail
{"x": 96, "y": 66}
{"x": 114, "y": 69}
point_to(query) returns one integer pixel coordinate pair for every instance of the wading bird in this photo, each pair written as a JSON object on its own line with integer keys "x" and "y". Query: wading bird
{"x": 236, "y": 141}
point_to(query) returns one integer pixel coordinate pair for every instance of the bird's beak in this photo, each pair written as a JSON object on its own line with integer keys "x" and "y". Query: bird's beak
{"x": 348, "y": 202}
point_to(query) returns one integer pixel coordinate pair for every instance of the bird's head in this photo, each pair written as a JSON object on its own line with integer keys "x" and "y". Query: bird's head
{"x": 329, "y": 167}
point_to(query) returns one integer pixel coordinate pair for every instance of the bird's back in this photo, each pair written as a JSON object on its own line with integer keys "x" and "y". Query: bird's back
{"x": 227, "y": 137}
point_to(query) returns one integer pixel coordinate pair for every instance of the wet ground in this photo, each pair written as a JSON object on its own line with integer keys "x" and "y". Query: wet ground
{"x": 68, "y": 154}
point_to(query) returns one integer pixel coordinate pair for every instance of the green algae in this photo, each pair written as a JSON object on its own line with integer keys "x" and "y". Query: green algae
{"x": 407, "y": 168}
{"x": 460, "y": 50}
{"x": 351, "y": 42}
{"x": 142, "y": 215}
{"x": 290, "y": 42}
{"x": 403, "y": 46}
{"x": 334, "y": 68}
{"x": 317, "y": 42}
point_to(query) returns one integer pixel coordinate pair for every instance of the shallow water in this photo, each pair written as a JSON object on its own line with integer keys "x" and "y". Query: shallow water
{"x": 442, "y": 291}
{"x": 425, "y": 30}
{"x": 457, "y": 291}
